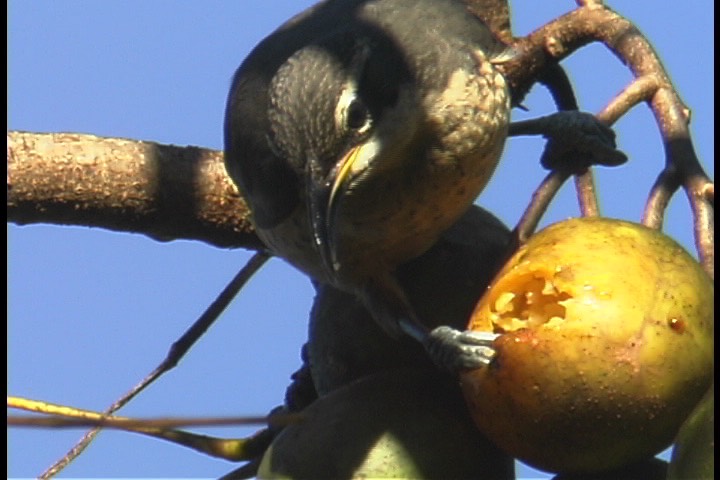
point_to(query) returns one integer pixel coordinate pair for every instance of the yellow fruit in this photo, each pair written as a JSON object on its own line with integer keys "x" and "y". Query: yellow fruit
{"x": 607, "y": 346}
{"x": 397, "y": 424}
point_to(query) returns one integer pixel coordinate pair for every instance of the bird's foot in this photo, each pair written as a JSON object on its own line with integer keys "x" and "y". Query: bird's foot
{"x": 576, "y": 140}
{"x": 454, "y": 350}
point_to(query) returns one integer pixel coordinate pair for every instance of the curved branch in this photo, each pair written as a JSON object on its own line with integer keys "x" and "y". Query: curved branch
{"x": 593, "y": 22}
{"x": 541, "y": 198}
{"x": 662, "y": 190}
{"x": 163, "y": 191}
{"x": 639, "y": 90}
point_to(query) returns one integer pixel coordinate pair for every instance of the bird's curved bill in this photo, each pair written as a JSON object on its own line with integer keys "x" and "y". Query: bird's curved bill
{"x": 325, "y": 194}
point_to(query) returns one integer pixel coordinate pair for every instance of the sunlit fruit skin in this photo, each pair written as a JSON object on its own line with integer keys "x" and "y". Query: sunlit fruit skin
{"x": 612, "y": 352}
{"x": 406, "y": 423}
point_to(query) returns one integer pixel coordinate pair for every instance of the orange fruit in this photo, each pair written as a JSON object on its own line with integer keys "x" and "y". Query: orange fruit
{"x": 606, "y": 346}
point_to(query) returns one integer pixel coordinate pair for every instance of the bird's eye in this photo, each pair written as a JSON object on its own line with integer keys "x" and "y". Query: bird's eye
{"x": 357, "y": 115}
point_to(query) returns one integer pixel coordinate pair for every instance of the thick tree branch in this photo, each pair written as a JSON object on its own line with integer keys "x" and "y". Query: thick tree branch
{"x": 163, "y": 191}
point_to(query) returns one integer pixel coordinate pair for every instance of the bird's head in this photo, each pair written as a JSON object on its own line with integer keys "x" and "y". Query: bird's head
{"x": 380, "y": 120}
{"x": 341, "y": 110}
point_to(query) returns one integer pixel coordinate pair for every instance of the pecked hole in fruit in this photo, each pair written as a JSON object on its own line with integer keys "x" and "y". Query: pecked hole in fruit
{"x": 528, "y": 300}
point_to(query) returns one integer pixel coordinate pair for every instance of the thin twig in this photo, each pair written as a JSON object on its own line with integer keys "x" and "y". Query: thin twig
{"x": 177, "y": 351}
{"x": 587, "y": 193}
{"x": 639, "y": 90}
{"x": 232, "y": 449}
{"x": 703, "y": 207}
{"x": 142, "y": 425}
{"x": 665, "y": 185}
{"x": 541, "y": 198}
{"x": 558, "y": 84}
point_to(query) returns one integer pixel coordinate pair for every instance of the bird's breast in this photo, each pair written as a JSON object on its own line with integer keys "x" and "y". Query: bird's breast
{"x": 393, "y": 215}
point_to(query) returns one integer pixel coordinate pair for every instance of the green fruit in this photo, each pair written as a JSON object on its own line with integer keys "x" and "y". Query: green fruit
{"x": 400, "y": 424}
{"x": 607, "y": 346}
{"x": 694, "y": 451}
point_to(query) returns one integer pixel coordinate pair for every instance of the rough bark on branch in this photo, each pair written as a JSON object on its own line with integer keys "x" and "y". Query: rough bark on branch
{"x": 163, "y": 191}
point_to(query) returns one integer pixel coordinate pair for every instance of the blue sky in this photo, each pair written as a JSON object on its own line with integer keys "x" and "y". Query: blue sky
{"x": 90, "y": 312}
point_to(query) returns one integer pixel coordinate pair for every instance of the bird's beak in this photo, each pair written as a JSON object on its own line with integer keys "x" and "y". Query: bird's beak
{"x": 325, "y": 194}
{"x": 344, "y": 170}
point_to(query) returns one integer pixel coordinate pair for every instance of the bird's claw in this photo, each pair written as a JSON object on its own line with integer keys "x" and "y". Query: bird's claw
{"x": 454, "y": 350}
{"x": 578, "y": 136}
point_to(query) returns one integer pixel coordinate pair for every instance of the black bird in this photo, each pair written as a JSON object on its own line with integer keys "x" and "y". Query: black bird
{"x": 358, "y": 132}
